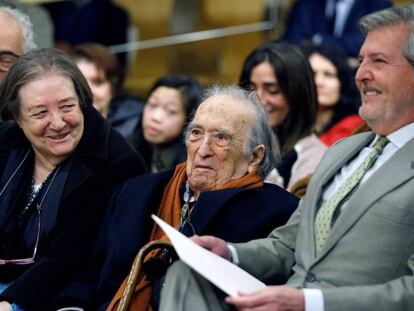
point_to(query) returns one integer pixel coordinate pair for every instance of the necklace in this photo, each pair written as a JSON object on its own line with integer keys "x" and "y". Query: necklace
{"x": 35, "y": 189}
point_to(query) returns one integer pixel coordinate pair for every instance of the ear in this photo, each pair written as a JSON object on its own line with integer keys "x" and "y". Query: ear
{"x": 257, "y": 158}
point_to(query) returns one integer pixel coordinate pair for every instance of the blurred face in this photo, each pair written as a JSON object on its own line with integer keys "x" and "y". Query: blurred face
{"x": 326, "y": 79}
{"x": 385, "y": 80}
{"x": 99, "y": 84}
{"x": 11, "y": 43}
{"x": 215, "y": 142}
{"x": 50, "y": 116}
{"x": 264, "y": 81}
{"x": 164, "y": 116}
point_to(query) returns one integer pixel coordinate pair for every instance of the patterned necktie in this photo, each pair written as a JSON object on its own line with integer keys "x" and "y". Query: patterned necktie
{"x": 323, "y": 220}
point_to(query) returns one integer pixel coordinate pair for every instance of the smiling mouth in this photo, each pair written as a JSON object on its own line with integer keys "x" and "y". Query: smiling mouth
{"x": 370, "y": 91}
{"x": 58, "y": 137}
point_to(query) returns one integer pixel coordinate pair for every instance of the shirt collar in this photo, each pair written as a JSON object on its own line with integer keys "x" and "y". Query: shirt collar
{"x": 402, "y": 136}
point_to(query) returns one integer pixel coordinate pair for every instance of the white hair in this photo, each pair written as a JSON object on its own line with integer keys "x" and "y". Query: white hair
{"x": 25, "y": 24}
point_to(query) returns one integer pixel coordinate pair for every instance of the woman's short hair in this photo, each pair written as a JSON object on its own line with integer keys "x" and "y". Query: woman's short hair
{"x": 32, "y": 65}
{"x": 295, "y": 79}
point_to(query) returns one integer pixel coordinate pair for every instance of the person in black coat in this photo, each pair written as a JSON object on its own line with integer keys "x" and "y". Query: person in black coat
{"x": 233, "y": 203}
{"x": 60, "y": 161}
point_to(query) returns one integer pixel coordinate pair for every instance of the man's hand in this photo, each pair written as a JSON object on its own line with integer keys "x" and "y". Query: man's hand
{"x": 213, "y": 244}
{"x": 5, "y": 306}
{"x": 275, "y": 298}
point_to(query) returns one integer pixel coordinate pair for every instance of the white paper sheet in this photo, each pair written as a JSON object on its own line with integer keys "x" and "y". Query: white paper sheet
{"x": 222, "y": 273}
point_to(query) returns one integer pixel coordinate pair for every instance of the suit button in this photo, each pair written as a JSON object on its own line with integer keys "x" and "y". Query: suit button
{"x": 310, "y": 277}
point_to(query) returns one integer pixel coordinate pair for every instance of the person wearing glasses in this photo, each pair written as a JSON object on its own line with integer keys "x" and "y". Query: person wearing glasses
{"x": 218, "y": 190}
{"x": 16, "y": 37}
{"x": 350, "y": 243}
{"x": 60, "y": 161}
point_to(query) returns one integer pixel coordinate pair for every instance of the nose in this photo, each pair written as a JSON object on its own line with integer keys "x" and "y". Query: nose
{"x": 205, "y": 149}
{"x": 318, "y": 79}
{"x": 56, "y": 121}
{"x": 363, "y": 73}
{"x": 157, "y": 114}
{"x": 262, "y": 96}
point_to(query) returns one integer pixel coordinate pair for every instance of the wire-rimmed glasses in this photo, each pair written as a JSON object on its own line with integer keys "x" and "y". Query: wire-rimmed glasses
{"x": 27, "y": 261}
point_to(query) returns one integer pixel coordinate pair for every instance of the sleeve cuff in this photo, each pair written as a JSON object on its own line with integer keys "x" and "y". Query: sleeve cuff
{"x": 234, "y": 256}
{"x": 313, "y": 299}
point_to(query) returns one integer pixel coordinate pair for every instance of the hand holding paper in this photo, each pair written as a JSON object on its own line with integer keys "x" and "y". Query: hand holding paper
{"x": 222, "y": 273}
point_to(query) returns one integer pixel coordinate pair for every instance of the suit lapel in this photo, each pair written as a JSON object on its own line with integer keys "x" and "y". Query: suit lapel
{"x": 328, "y": 168}
{"x": 398, "y": 166}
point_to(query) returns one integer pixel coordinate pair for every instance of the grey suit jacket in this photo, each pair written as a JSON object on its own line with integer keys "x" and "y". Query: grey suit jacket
{"x": 368, "y": 260}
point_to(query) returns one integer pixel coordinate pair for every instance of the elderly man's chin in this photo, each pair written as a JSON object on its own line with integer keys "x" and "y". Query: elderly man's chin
{"x": 201, "y": 182}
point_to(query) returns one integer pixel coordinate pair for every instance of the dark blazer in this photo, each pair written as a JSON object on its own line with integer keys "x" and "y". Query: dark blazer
{"x": 307, "y": 18}
{"x": 102, "y": 160}
{"x": 233, "y": 214}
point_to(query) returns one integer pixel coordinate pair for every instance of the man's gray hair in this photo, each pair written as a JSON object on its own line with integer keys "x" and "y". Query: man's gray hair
{"x": 25, "y": 24}
{"x": 395, "y": 15}
{"x": 260, "y": 133}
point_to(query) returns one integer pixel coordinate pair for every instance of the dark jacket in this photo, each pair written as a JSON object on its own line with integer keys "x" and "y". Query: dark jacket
{"x": 307, "y": 18}
{"x": 236, "y": 215}
{"x": 101, "y": 161}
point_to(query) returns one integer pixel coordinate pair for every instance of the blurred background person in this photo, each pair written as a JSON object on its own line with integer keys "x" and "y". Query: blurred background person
{"x": 105, "y": 78}
{"x": 338, "y": 96}
{"x": 16, "y": 37}
{"x": 171, "y": 101}
{"x": 60, "y": 161}
{"x": 81, "y": 21}
{"x": 330, "y": 22}
{"x": 40, "y": 18}
{"x": 283, "y": 79}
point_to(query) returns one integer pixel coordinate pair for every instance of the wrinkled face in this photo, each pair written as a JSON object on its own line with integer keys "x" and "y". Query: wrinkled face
{"x": 385, "y": 80}
{"x": 164, "y": 116}
{"x": 326, "y": 79}
{"x": 11, "y": 43}
{"x": 99, "y": 84}
{"x": 215, "y": 142}
{"x": 50, "y": 116}
{"x": 264, "y": 81}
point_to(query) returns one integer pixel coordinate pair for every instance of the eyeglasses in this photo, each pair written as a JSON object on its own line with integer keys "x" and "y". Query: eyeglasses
{"x": 26, "y": 261}
{"x": 7, "y": 58}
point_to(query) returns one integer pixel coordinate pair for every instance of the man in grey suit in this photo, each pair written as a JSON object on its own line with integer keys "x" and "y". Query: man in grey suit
{"x": 366, "y": 258}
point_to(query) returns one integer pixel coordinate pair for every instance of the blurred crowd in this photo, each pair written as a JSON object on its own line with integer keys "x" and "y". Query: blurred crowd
{"x": 84, "y": 161}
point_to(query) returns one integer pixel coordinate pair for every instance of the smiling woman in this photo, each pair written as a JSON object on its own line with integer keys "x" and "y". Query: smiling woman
{"x": 59, "y": 164}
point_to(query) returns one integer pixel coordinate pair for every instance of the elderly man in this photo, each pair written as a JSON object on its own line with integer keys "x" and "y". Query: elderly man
{"x": 16, "y": 37}
{"x": 350, "y": 245}
{"x": 219, "y": 190}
